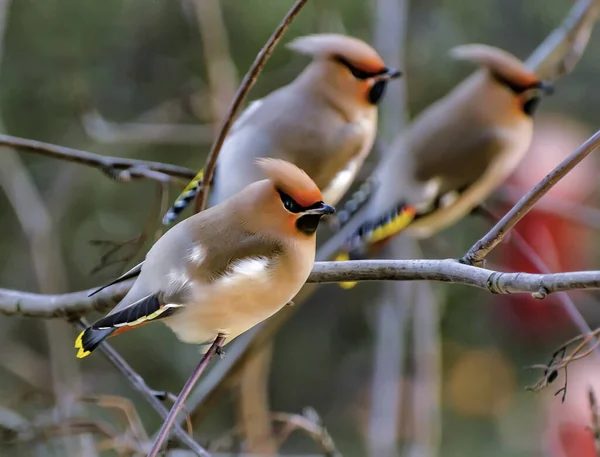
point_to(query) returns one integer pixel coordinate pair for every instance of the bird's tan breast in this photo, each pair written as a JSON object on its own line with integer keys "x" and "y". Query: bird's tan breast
{"x": 252, "y": 290}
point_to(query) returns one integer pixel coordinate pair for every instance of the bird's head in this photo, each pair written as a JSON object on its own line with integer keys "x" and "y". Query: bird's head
{"x": 287, "y": 203}
{"x": 507, "y": 71}
{"x": 354, "y": 66}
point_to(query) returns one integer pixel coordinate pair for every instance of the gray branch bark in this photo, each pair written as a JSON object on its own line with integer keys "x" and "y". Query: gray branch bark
{"x": 13, "y": 302}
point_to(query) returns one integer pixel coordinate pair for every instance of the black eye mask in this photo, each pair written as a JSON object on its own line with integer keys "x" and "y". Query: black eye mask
{"x": 358, "y": 73}
{"x": 293, "y": 206}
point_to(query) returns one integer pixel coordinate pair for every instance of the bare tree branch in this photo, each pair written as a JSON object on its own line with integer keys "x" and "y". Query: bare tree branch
{"x": 484, "y": 246}
{"x": 13, "y": 302}
{"x": 578, "y": 213}
{"x": 151, "y": 396}
{"x": 108, "y": 164}
{"x": 185, "y": 392}
{"x": 562, "y": 49}
{"x": 595, "y": 419}
{"x": 68, "y": 305}
{"x": 247, "y": 83}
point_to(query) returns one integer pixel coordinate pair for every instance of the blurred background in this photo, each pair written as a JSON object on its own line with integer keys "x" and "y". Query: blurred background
{"x": 151, "y": 79}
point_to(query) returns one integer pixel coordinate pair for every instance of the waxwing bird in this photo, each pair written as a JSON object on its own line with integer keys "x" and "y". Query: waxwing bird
{"x": 225, "y": 269}
{"x": 453, "y": 155}
{"x": 324, "y": 121}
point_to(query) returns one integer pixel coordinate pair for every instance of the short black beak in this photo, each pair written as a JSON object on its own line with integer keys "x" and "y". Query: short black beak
{"x": 322, "y": 209}
{"x": 390, "y": 73}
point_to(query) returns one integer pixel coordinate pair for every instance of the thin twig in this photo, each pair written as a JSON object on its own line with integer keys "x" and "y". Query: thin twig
{"x": 560, "y": 360}
{"x": 187, "y": 388}
{"x": 310, "y": 423}
{"x": 136, "y": 168}
{"x": 127, "y": 408}
{"x": 562, "y": 49}
{"x": 135, "y": 244}
{"x": 484, "y": 246}
{"x": 246, "y": 85}
{"x": 595, "y": 419}
{"x": 525, "y": 248}
{"x": 149, "y": 395}
{"x": 562, "y": 297}
{"x": 578, "y": 213}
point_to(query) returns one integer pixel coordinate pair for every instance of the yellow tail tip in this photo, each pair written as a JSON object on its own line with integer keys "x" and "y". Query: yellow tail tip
{"x": 344, "y": 257}
{"x": 81, "y": 353}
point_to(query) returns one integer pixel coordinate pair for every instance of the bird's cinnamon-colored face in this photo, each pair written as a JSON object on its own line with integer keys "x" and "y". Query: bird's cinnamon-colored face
{"x": 371, "y": 76}
{"x": 293, "y": 204}
{"x": 508, "y": 71}
{"x": 364, "y": 70}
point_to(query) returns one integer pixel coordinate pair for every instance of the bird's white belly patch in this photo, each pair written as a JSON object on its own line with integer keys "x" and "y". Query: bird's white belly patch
{"x": 245, "y": 296}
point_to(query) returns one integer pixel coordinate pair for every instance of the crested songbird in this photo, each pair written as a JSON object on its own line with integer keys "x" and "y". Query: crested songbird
{"x": 324, "y": 121}
{"x": 225, "y": 269}
{"x": 454, "y": 154}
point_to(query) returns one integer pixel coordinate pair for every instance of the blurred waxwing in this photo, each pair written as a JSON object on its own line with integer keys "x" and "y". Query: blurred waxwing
{"x": 225, "y": 269}
{"x": 453, "y": 155}
{"x": 324, "y": 121}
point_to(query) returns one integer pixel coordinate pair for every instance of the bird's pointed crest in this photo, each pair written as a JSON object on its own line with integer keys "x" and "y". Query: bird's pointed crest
{"x": 499, "y": 62}
{"x": 327, "y": 45}
{"x": 291, "y": 180}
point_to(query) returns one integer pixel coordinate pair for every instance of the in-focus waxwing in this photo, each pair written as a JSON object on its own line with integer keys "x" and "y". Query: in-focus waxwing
{"x": 324, "y": 121}
{"x": 225, "y": 269}
{"x": 453, "y": 155}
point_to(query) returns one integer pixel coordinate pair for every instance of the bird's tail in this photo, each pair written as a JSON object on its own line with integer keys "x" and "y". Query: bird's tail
{"x": 89, "y": 339}
{"x": 184, "y": 199}
{"x": 356, "y": 202}
{"x": 370, "y": 234}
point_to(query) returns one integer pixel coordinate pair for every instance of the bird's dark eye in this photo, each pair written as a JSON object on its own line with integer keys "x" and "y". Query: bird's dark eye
{"x": 289, "y": 203}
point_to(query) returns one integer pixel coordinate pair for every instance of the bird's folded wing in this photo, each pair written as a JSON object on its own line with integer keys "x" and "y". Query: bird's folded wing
{"x": 135, "y": 271}
{"x": 148, "y": 308}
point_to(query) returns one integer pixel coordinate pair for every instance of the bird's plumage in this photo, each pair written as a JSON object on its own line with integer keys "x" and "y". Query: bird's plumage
{"x": 355, "y": 51}
{"x": 225, "y": 269}
{"x": 457, "y": 151}
{"x": 324, "y": 121}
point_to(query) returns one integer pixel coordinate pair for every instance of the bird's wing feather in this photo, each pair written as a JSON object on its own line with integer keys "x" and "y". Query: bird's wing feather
{"x": 246, "y": 115}
{"x": 456, "y": 159}
{"x": 135, "y": 271}
{"x": 146, "y": 309}
{"x": 452, "y": 166}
